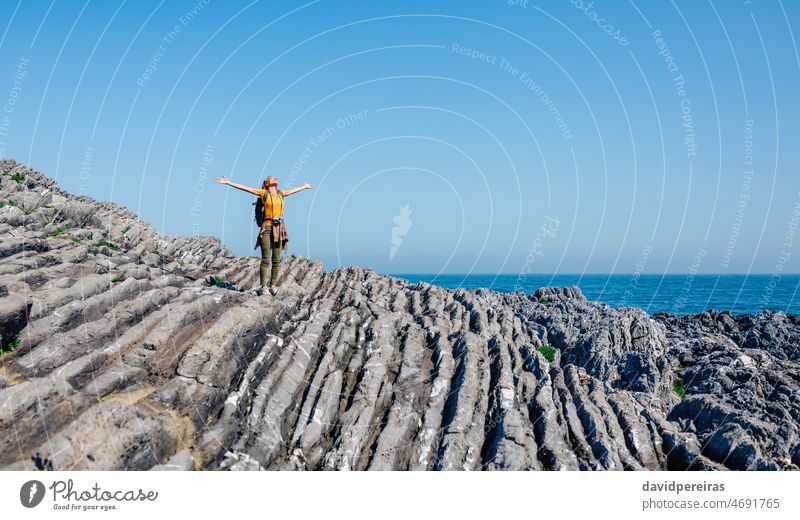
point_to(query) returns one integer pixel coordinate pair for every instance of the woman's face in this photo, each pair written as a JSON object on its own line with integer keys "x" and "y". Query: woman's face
{"x": 272, "y": 181}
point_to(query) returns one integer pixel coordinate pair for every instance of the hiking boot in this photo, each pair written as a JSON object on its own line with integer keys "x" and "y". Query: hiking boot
{"x": 273, "y": 290}
{"x": 259, "y": 291}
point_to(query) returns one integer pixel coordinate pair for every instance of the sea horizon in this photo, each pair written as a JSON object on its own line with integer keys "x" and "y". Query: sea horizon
{"x": 678, "y": 294}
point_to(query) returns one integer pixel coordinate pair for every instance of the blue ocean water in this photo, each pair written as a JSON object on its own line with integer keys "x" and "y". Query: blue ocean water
{"x": 675, "y": 294}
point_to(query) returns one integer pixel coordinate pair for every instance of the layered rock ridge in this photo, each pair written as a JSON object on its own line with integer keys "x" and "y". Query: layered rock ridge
{"x": 118, "y": 354}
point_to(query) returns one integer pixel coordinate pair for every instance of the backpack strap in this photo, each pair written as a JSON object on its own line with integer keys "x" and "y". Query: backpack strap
{"x": 280, "y": 194}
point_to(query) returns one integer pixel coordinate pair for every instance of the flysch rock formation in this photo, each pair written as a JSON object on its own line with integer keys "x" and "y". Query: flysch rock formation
{"x": 122, "y": 356}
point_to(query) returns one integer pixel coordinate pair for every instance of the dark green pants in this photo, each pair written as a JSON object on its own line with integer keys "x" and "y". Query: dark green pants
{"x": 267, "y": 252}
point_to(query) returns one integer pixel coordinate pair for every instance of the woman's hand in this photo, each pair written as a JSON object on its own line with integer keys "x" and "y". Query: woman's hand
{"x": 307, "y": 186}
{"x": 248, "y": 189}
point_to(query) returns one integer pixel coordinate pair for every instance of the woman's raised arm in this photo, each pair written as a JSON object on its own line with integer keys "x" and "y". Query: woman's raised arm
{"x": 224, "y": 180}
{"x": 305, "y": 186}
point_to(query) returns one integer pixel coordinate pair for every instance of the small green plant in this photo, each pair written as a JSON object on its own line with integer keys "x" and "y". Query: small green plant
{"x": 101, "y": 243}
{"x": 544, "y": 301}
{"x": 77, "y": 240}
{"x": 127, "y": 228}
{"x": 10, "y": 346}
{"x": 548, "y": 352}
{"x": 11, "y": 202}
{"x": 90, "y": 236}
{"x": 57, "y": 231}
{"x": 118, "y": 278}
{"x": 678, "y": 387}
{"x": 217, "y": 279}
{"x": 2, "y": 203}
{"x": 18, "y": 177}
{"x": 155, "y": 251}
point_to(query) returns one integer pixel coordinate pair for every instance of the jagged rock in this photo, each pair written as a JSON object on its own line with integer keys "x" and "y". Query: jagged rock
{"x": 559, "y": 293}
{"x": 129, "y": 359}
{"x": 14, "y": 312}
{"x": 733, "y": 447}
{"x": 181, "y": 461}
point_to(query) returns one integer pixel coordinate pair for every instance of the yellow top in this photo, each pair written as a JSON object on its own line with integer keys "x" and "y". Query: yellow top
{"x": 273, "y": 205}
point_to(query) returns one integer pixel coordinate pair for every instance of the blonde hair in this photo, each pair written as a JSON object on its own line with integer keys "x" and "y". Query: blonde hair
{"x": 265, "y": 184}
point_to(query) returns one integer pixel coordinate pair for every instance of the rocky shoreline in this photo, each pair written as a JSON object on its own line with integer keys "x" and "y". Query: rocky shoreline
{"x": 119, "y": 355}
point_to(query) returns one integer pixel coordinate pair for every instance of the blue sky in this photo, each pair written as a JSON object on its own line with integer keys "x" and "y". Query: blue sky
{"x": 541, "y": 137}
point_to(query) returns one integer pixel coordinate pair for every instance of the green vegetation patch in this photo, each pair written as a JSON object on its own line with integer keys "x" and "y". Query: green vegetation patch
{"x": 10, "y": 346}
{"x": 101, "y": 243}
{"x": 58, "y": 231}
{"x": 17, "y": 177}
{"x": 678, "y": 387}
{"x": 548, "y": 352}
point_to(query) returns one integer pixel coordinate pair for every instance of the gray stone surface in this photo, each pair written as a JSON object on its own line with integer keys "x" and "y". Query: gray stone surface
{"x": 129, "y": 360}
{"x": 14, "y": 310}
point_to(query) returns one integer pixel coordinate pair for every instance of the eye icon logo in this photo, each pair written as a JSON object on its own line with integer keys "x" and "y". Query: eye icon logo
{"x": 31, "y": 493}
